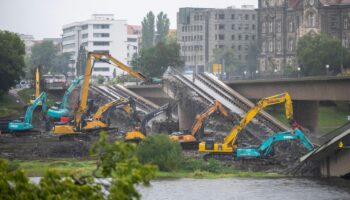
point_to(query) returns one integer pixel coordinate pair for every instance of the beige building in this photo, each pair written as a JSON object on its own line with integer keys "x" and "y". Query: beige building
{"x": 283, "y": 22}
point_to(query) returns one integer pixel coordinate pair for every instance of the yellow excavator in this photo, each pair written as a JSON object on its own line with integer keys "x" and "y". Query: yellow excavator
{"x": 37, "y": 88}
{"x": 188, "y": 140}
{"x": 96, "y": 122}
{"x": 77, "y": 125}
{"x": 229, "y": 145}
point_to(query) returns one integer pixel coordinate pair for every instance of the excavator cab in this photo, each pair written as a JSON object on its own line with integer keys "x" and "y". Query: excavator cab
{"x": 209, "y": 144}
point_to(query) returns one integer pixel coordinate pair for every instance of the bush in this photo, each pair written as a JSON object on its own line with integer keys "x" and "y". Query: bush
{"x": 160, "y": 150}
{"x": 211, "y": 165}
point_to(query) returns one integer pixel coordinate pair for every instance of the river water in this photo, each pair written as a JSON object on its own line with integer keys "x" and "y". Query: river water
{"x": 247, "y": 188}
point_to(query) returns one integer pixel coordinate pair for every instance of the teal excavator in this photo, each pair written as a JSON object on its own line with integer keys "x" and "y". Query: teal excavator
{"x": 60, "y": 108}
{"x": 25, "y": 124}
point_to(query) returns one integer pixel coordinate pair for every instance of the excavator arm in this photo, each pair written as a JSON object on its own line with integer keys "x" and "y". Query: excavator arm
{"x": 69, "y": 91}
{"x": 104, "y": 108}
{"x": 215, "y": 107}
{"x": 263, "y": 103}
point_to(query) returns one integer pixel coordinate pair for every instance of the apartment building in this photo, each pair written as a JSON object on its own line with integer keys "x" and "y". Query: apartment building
{"x": 133, "y": 41}
{"x": 202, "y": 30}
{"x": 101, "y": 33}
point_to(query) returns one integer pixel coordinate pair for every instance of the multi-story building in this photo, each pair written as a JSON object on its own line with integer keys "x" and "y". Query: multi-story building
{"x": 102, "y": 33}
{"x": 202, "y": 30}
{"x": 283, "y": 22}
{"x": 133, "y": 41}
{"x": 29, "y": 42}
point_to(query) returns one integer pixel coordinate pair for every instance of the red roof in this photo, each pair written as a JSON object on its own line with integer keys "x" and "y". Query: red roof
{"x": 335, "y": 2}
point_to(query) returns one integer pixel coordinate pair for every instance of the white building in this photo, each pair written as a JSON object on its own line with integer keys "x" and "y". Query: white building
{"x": 102, "y": 33}
{"x": 133, "y": 41}
{"x": 28, "y": 42}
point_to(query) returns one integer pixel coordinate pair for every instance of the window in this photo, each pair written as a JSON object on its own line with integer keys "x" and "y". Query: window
{"x": 240, "y": 17}
{"x": 233, "y": 27}
{"x": 291, "y": 45}
{"x": 246, "y": 37}
{"x": 239, "y": 57}
{"x": 133, "y": 39}
{"x": 311, "y": 19}
{"x": 246, "y": 17}
{"x": 262, "y": 65}
{"x": 270, "y": 27}
{"x": 232, "y": 37}
{"x": 290, "y": 26}
{"x": 279, "y": 45}
{"x": 253, "y": 17}
{"x": 246, "y": 27}
{"x": 85, "y": 35}
{"x": 97, "y": 35}
{"x": 239, "y": 47}
{"x": 271, "y": 46}
{"x": 101, "y": 43}
{"x": 84, "y": 27}
{"x": 263, "y": 29}
{"x": 101, "y": 26}
{"x": 240, "y": 26}
{"x": 345, "y": 23}
{"x": 68, "y": 38}
{"x": 102, "y": 51}
{"x": 221, "y": 16}
{"x": 253, "y": 37}
{"x": 221, "y": 37}
{"x": 253, "y": 27}
{"x": 221, "y": 46}
{"x": 221, "y": 27}
{"x": 263, "y": 49}
{"x": 279, "y": 28}
{"x": 67, "y": 30}
{"x": 239, "y": 37}
{"x": 68, "y": 46}
{"x": 233, "y": 16}
{"x": 101, "y": 69}
{"x": 183, "y": 29}
{"x": 233, "y": 47}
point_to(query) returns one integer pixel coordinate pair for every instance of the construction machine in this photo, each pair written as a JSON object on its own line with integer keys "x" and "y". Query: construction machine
{"x": 139, "y": 133}
{"x": 77, "y": 125}
{"x": 266, "y": 147}
{"x": 60, "y": 108}
{"x": 96, "y": 122}
{"x": 37, "y": 88}
{"x": 188, "y": 139}
{"x": 25, "y": 124}
{"x": 229, "y": 145}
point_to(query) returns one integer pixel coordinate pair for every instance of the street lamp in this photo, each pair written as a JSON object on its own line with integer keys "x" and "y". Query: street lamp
{"x": 298, "y": 71}
{"x": 327, "y": 69}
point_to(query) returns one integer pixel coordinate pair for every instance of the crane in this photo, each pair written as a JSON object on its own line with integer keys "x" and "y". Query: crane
{"x": 37, "y": 88}
{"x": 77, "y": 126}
{"x": 60, "y": 109}
{"x": 25, "y": 123}
{"x": 189, "y": 139}
{"x": 229, "y": 145}
{"x": 266, "y": 147}
{"x": 139, "y": 133}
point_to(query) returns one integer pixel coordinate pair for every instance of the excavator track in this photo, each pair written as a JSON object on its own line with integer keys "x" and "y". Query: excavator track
{"x": 89, "y": 135}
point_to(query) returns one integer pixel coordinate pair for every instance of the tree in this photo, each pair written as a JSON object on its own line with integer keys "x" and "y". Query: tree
{"x": 314, "y": 52}
{"x": 44, "y": 54}
{"x": 148, "y": 30}
{"x": 81, "y": 62}
{"x": 155, "y": 60}
{"x": 116, "y": 160}
{"x": 61, "y": 63}
{"x": 227, "y": 57}
{"x": 160, "y": 150}
{"x": 12, "y": 52}
{"x": 163, "y": 24}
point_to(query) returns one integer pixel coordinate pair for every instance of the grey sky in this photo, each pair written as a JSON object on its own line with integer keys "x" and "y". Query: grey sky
{"x": 44, "y": 18}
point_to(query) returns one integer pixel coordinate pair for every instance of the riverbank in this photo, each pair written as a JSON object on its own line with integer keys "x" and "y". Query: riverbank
{"x": 37, "y": 168}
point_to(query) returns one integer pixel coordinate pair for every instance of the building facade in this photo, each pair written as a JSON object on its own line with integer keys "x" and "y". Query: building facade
{"x": 283, "y": 22}
{"x": 102, "y": 33}
{"x": 202, "y": 30}
{"x": 133, "y": 41}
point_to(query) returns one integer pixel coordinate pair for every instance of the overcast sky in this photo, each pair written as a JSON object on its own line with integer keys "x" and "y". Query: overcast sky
{"x": 44, "y": 18}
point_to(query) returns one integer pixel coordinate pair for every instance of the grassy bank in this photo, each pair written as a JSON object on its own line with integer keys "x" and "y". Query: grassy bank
{"x": 26, "y": 93}
{"x": 9, "y": 107}
{"x": 329, "y": 117}
{"x": 36, "y": 168}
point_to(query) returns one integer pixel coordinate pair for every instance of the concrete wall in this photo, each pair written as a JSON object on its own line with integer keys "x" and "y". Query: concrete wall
{"x": 336, "y": 165}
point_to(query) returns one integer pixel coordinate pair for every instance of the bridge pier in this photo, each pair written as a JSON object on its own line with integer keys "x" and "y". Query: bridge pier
{"x": 306, "y": 113}
{"x": 187, "y": 114}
